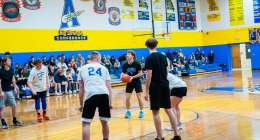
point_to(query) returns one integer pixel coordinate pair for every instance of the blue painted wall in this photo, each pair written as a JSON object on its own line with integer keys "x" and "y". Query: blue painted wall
{"x": 255, "y": 55}
{"x": 222, "y": 53}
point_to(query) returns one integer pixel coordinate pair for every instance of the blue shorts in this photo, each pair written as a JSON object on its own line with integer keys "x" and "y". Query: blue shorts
{"x": 8, "y": 99}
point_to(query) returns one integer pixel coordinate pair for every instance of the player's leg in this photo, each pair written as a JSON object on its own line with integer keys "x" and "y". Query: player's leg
{"x": 43, "y": 97}
{"x": 38, "y": 107}
{"x": 10, "y": 100}
{"x": 88, "y": 113}
{"x": 2, "y": 106}
{"x": 139, "y": 90}
{"x": 129, "y": 90}
{"x": 104, "y": 114}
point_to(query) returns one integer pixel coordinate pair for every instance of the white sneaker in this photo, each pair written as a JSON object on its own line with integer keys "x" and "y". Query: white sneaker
{"x": 70, "y": 92}
{"x": 179, "y": 126}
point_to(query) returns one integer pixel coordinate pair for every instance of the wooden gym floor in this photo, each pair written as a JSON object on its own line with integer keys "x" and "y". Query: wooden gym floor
{"x": 208, "y": 115}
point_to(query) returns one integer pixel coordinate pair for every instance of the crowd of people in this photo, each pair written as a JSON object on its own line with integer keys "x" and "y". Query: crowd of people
{"x": 63, "y": 71}
{"x": 179, "y": 62}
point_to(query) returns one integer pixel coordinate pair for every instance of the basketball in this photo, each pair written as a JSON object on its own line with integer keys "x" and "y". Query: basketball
{"x": 125, "y": 78}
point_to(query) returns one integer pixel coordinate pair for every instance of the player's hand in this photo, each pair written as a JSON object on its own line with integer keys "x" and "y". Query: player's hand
{"x": 81, "y": 109}
{"x": 34, "y": 93}
{"x": 146, "y": 97}
{"x": 16, "y": 90}
{"x": 131, "y": 79}
{"x": 1, "y": 94}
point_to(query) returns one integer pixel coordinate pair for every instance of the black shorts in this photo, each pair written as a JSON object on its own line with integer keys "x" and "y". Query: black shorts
{"x": 97, "y": 101}
{"x": 179, "y": 92}
{"x": 137, "y": 85}
{"x": 159, "y": 97}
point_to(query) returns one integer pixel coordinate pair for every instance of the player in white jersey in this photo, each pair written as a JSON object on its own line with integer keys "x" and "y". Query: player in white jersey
{"x": 178, "y": 91}
{"x": 95, "y": 92}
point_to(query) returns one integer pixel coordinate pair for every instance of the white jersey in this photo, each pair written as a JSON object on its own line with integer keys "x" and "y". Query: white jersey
{"x": 94, "y": 77}
{"x": 38, "y": 79}
{"x": 175, "y": 82}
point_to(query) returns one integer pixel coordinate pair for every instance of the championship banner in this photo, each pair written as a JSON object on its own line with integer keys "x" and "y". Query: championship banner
{"x": 143, "y": 10}
{"x": 236, "y": 12}
{"x": 128, "y": 10}
{"x": 256, "y": 11}
{"x": 187, "y": 14}
{"x": 170, "y": 10}
{"x": 10, "y": 10}
{"x": 157, "y": 10}
{"x": 31, "y": 4}
{"x": 213, "y": 11}
{"x": 100, "y": 6}
{"x": 114, "y": 16}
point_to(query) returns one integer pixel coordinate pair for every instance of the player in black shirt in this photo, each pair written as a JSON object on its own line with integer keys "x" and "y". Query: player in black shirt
{"x": 7, "y": 90}
{"x": 157, "y": 88}
{"x": 133, "y": 69}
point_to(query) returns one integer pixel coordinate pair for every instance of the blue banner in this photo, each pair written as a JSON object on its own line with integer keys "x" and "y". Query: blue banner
{"x": 257, "y": 11}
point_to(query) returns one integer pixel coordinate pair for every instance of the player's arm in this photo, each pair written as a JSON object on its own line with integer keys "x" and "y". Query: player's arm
{"x": 29, "y": 83}
{"x": 147, "y": 83}
{"x": 1, "y": 90}
{"x": 140, "y": 72}
{"x": 81, "y": 93}
{"x": 16, "y": 89}
{"x": 108, "y": 85}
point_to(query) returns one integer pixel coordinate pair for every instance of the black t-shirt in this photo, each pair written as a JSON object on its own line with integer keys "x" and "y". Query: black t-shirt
{"x": 6, "y": 77}
{"x": 132, "y": 69}
{"x": 157, "y": 62}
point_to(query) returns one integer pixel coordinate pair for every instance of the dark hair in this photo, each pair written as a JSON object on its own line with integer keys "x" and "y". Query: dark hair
{"x": 132, "y": 53}
{"x": 151, "y": 43}
{"x": 38, "y": 61}
{"x": 4, "y": 61}
{"x": 95, "y": 55}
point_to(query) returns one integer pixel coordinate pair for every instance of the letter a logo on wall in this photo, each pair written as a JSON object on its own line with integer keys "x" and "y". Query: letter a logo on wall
{"x": 69, "y": 16}
{"x": 10, "y": 10}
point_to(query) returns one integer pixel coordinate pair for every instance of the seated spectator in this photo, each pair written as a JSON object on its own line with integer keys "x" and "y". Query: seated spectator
{"x": 51, "y": 70}
{"x": 112, "y": 60}
{"x": 21, "y": 82}
{"x": 211, "y": 57}
{"x": 26, "y": 70}
{"x": 60, "y": 80}
{"x": 17, "y": 67}
{"x": 80, "y": 61}
{"x": 31, "y": 62}
{"x": 64, "y": 59}
{"x": 44, "y": 61}
{"x": 59, "y": 59}
{"x": 116, "y": 67}
{"x": 52, "y": 61}
{"x": 107, "y": 64}
{"x": 62, "y": 65}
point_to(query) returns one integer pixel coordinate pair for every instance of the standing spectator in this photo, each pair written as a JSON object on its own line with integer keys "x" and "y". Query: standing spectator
{"x": 63, "y": 57}
{"x": 211, "y": 57}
